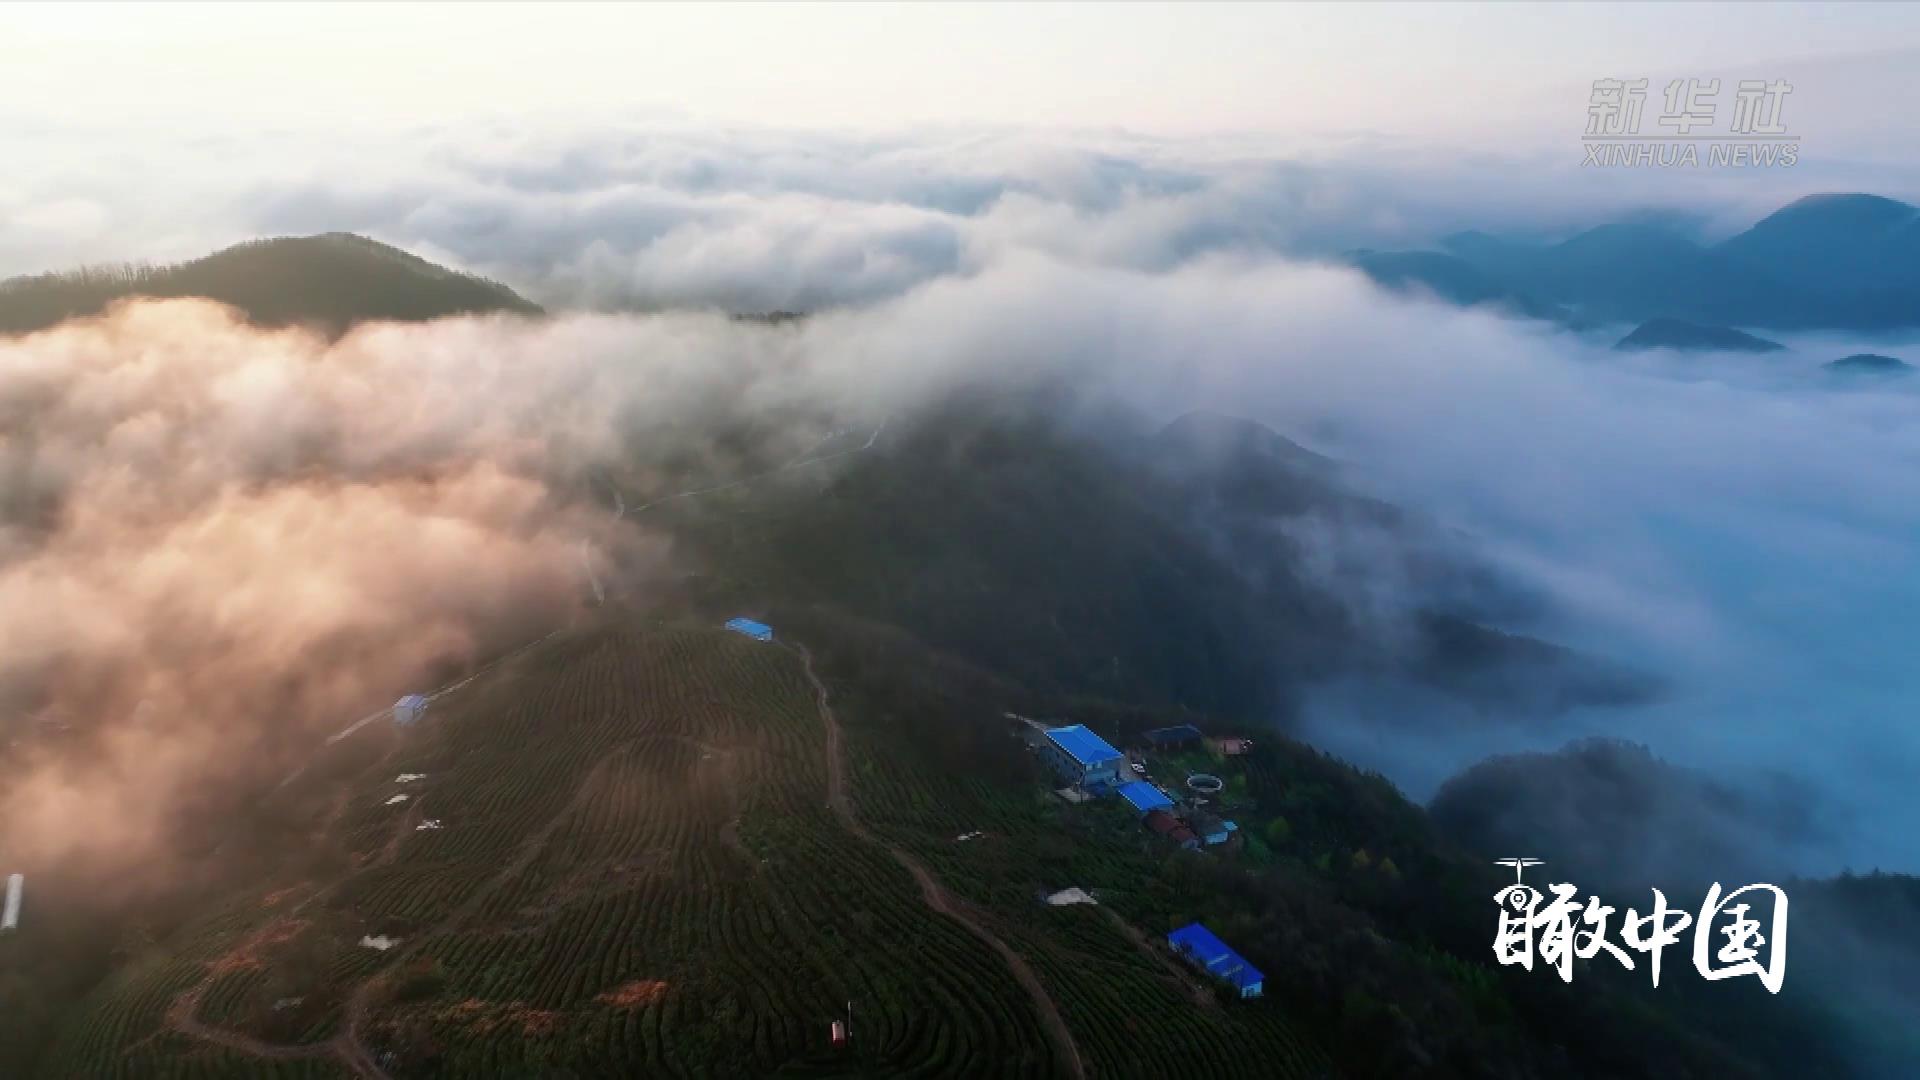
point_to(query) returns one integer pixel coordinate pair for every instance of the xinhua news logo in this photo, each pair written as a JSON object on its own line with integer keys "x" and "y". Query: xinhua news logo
{"x": 1686, "y": 134}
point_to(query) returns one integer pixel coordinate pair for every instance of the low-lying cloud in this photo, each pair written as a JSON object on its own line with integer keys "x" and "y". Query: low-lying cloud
{"x": 618, "y": 216}
{"x": 1743, "y": 527}
{"x": 219, "y": 542}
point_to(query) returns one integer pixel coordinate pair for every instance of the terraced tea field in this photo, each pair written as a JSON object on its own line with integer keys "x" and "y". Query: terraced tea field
{"x": 639, "y": 868}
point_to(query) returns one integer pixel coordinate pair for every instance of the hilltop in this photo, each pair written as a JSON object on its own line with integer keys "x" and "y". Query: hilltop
{"x": 329, "y": 281}
{"x": 1108, "y": 555}
{"x": 1869, "y": 364}
{"x": 1451, "y": 279}
{"x": 1837, "y": 261}
{"x": 1676, "y": 334}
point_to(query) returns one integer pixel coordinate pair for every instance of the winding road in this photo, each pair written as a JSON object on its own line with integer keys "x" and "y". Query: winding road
{"x": 349, "y": 1046}
{"x": 932, "y": 892}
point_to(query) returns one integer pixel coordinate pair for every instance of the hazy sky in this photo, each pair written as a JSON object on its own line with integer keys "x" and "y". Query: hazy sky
{"x": 1410, "y": 70}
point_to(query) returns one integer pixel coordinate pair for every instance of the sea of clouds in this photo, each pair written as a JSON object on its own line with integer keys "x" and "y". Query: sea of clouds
{"x": 1743, "y": 527}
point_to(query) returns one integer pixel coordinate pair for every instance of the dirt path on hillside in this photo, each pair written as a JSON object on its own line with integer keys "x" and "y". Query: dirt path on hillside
{"x": 349, "y": 1046}
{"x": 932, "y": 892}
{"x": 182, "y": 1018}
{"x": 361, "y": 1004}
{"x": 183, "y": 1015}
{"x": 1178, "y": 975}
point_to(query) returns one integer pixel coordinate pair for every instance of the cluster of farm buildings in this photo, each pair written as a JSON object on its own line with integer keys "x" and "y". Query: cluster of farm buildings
{"x": 1094, "y": 768}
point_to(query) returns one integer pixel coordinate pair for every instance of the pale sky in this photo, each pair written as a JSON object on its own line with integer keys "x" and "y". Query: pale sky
{"x": 161, "y": 132}
{"x": 1411, "y": 70}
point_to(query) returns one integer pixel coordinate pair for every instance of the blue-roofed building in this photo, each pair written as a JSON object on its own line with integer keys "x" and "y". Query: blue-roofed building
{"x": 1212, "y": 830}
{"x": 1197, "y": 946}
{"x": 408, "y": 710}
{"x": 756, "y": 630}
{"x": 1081, "y": 757}
{"x": 1144, "y": 796}
{"x": 1171, "y": 738}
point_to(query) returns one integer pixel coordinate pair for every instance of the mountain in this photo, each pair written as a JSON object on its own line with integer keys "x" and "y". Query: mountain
{"x": 1865, "y": 932}
{"x": 1449, "y": 277}
{"x": 328, "y": 281}
{"x": 1825, "y": 261}
{"x": 1595, "y": 802}
{"x": 1674, "y": 334}
{"x": 1844, "y": 242}
{"x": 1869, "y": 364}
{"x": 643, "y": 844}
{"x": 1484, "y": 249}
{"x": 1625, "y": 271}
{"x": 1211, "y": 442}
{"x": 1086, "y": 550}
{"x": 1614, "y": 818}
{"x": 1618, "y": 271}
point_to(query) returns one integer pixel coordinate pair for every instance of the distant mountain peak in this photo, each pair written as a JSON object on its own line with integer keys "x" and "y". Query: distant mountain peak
{"x": 1218, "y": 435}
{"x": 1637, "y": 238}
{"x": 1678, "y": 334}
{"x": 1870, "y": 364}
{"x": 1852, "y": 203}
{"x": 330, "y": 281}
{"x": 1450, "y": 277}
{"x": 1817, "y": 224}
{"x": 1836, "y": 260}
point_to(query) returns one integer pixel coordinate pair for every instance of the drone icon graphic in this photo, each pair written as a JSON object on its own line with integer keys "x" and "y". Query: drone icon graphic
{"x": 1519, "y": 866}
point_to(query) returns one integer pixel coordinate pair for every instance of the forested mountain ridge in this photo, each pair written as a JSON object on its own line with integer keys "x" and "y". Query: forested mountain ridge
{"x": 328, "y": 281}
{"x": 1841, "y": 261}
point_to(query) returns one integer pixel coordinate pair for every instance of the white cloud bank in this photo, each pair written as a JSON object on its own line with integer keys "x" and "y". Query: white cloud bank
{"x": 1745, "y": 526}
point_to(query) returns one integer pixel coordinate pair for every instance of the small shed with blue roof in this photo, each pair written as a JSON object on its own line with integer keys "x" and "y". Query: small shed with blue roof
{"x": 408, "y": 710}
{"x": 1144, "y": 796}
{"x": 758, "y": 631}
{"x": 1173, "y": 738}
{"x": 1197, "y": 946}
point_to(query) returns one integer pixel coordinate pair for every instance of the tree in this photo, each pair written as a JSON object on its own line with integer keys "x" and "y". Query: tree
{"x": 1279, "y": 831}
